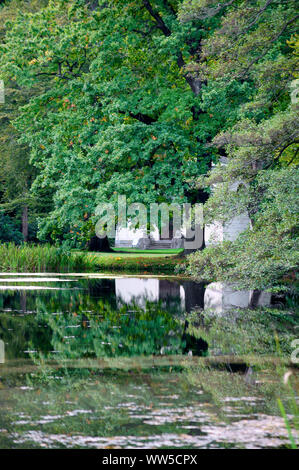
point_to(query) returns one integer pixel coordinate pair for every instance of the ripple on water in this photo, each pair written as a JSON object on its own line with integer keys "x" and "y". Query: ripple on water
{"x": 266, "y": 431}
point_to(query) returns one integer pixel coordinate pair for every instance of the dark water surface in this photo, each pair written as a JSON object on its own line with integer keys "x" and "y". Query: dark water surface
{"x": 91, "y": 361}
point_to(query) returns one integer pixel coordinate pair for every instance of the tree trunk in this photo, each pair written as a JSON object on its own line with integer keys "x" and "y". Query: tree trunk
{"x": 25, "y": 223}
{"x": 99, "y": 244}
{"x": 23, "y": 301}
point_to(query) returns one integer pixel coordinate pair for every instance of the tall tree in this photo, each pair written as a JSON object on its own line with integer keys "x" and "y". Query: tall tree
{"x": 122, "y": 115}
{"x": 16, "y": 172}
{"x": 136, "y": 93}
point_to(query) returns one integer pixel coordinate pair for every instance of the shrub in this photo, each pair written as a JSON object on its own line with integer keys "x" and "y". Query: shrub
{"x": 267, "y": 255}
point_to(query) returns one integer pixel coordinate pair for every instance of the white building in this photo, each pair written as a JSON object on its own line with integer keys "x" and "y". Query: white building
{"x": 218, "y": 232}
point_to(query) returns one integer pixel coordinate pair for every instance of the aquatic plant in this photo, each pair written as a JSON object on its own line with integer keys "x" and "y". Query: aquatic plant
{"x": 42, "y": 258}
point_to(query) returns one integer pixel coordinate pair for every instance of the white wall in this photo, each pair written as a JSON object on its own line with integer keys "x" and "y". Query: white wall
{"x": 220, "y": 297}
{"x": 133, "y": 236}
{"x": 218, "y": 232}
{"x": 2, "y": 352}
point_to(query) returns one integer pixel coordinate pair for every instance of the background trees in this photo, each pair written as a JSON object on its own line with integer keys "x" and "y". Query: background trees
{"x": 16, "y": 172}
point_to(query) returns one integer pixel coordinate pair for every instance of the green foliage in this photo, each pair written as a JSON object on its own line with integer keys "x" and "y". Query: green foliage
{"x": 254, "y": 47}
{"x": 135, "y": 263}
{"x": 114, "y": 333}
{"x": 16, "y": 172}
{"x": 250, "y": 331}
{"x": 260, "y": 258}
{"x": 8, "y": 230}
{"x": 46, "y": 258}
{"x": 138, "y": 98}
{"x": 119, "y": 114}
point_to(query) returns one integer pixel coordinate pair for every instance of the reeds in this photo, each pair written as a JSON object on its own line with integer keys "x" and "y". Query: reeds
{"x": 42, "y": 258}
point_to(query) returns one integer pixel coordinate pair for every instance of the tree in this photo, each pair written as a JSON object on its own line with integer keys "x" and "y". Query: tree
{"x": 138, "y": 98}
{"x": 16, "y": 172}
{"x": 8, "y": 230}
{"x": 254, "y": 44}
{"x": 122, "y": 114}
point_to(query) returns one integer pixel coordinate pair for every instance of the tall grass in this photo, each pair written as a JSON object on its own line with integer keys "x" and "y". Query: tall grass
{"x": 295, "y": 410}
{"x": 42, "y": 258}
{"x": 47, "y": 258}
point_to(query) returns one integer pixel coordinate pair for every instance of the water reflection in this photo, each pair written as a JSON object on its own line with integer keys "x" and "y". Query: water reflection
{"x": 187, "y": 294}
{"x": 182, "y": 295}
{"x": 18, "y": 294}
{"x": 100, "y": 363}
{"x": 89, "y": 408}
{"x": 96, "y": 318}
{"x": 221, "y": 298}
{"x": 86, "y": 318}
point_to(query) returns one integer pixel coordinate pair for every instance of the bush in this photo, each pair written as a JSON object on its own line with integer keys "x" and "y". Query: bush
{"x": 8, "y": 230}
{"x": 267, "y": 255}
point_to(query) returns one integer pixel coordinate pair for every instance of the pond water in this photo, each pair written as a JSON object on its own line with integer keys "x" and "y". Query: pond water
{"x": 127, "y": 362}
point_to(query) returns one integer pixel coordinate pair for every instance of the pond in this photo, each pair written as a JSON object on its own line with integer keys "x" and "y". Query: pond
{"x": 124, "y": 362}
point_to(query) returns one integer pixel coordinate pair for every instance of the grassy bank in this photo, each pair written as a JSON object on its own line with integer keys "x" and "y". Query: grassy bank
{"x": 167, "y": 252}
{"x": 42, "y": 258}
{"x": 46, "y": 258}
{"x": 162, "y": 262}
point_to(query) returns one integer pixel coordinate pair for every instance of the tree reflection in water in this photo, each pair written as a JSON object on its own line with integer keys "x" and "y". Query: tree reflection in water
{"x": 92, "y": 373}
{"x": 98, "y": 318}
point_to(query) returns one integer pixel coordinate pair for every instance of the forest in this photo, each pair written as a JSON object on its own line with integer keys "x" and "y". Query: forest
{"x": 142, "y": 98}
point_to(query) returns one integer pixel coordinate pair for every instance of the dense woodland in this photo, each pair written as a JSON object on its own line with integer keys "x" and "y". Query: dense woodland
{"x": 139, "y": 98}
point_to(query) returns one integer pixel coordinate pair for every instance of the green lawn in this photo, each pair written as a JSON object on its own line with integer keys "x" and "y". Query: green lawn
{"x": 136, "y": 261}
{"x": 149, "y": 252}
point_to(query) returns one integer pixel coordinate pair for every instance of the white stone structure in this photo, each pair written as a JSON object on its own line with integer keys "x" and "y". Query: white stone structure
{"x": 2, "y": 95}
{"x": 221, "y": 297}
{"x": 139, "y": 291}
{"x": 214, "y": 233}
{"x": 127, "y": 237}
{"x": 218, "y": 232}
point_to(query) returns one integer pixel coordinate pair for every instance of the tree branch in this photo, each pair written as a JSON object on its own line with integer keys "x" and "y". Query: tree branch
{"x": 194, "y": 83}
{"x": 269, "y": 45}
{"x": 140, "y": 117}
{"x": 206, "y": 12}
{"x": 259, "y": 13}
{"x": 169, "y": 7}
{"x": 159, "y": 21}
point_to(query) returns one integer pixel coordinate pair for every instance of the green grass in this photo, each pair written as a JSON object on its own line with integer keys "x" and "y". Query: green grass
{"x": 46, "y": 258}
{"x": 136, "y": 262}
{"x": 171, "y": 251}
{"x": 42, "y": 258}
